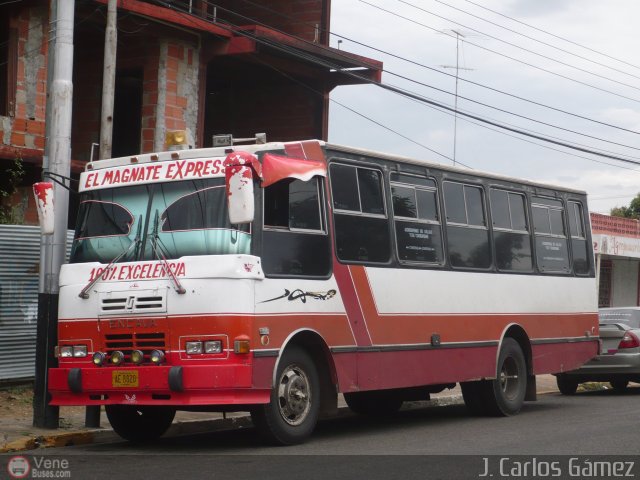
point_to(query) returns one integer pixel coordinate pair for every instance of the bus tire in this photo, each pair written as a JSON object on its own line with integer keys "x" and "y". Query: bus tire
{"x": 510, "y": 386}
{"x": 291, "y": 415}
{"x": 566, "y": 384}
{"x": 376, "y": 403}
{"x": 504, "y": 395}
{"x": 140, "y": 423}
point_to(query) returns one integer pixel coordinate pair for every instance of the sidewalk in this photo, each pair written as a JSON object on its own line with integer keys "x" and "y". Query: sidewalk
{"x": 18, "y": 434}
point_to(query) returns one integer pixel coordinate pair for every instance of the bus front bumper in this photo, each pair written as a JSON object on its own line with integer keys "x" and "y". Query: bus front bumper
{"x": 155, "y": 385}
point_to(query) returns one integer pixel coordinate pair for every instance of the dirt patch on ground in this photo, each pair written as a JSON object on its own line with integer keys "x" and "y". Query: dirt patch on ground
{"x": 16, "y": 403}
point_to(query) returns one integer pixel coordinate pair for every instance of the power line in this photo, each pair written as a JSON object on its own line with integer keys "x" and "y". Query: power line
{"x": 546, "y": 57}
{"x": 506, "y": 56}
{"x": 535, "y": 39}
{"x": 512, "y": 113}
{"x": 552, "y": 34}
{"x": 310, "y": 58}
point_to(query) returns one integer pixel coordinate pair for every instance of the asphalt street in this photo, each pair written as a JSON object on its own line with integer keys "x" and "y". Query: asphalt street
{"x": 592, "y": 425}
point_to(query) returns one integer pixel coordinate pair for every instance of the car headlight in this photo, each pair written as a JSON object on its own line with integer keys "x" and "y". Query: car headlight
{"x": 213, "y": 346}
{"x": 193, "y": 348}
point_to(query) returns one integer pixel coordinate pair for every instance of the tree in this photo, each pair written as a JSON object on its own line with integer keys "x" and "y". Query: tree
{"x": 632, "y": 211}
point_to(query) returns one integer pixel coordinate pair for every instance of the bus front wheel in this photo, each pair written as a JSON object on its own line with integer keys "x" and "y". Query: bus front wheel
{"x": 292, "y": 414}
{"x": 504, "y": 395}
{"x": 140, "y": 423}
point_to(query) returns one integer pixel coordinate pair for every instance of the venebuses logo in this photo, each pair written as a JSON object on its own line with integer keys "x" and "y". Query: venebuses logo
{"x": 18, "y": 467}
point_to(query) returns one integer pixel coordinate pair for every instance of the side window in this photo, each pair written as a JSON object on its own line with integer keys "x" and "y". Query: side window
{"x": 360, "y": 220}
{"x": 552, "y": 253}
{"x": 467, "y": 232}
{"x": 575, "y": 213}
{"x": 295, "y": 240}
{"x": 510, "y": 231}
{"x": 416, "y": 219}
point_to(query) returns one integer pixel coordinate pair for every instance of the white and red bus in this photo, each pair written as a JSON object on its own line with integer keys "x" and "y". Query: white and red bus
{"x": 272, "y": 277}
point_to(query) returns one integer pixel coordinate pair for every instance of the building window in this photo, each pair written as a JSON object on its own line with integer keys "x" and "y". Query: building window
{"x": 604, "y": 289}
{"x": 8, "y": 66}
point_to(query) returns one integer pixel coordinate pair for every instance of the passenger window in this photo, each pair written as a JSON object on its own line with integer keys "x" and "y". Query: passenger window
{"x": 417, "y": 228}
{"x": 581, "y": 264}
{"x": 295, "y": 240}
{"x": 467, "y": 232}
{"x": 552, "y": 253}
{"x": 511, "y": 237}
{"x": 361, "y": 226}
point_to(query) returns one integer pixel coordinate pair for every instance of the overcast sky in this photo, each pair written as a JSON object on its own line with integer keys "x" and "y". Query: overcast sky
{"x": 609, "y": 27}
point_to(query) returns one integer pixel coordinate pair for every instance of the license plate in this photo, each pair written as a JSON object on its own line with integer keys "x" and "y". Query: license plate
{"x": 124, "y": 378}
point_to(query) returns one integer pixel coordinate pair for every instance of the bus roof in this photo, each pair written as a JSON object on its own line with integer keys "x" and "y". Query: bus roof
{"x": 448, "y": 168}
{"x": 223, "y": 151}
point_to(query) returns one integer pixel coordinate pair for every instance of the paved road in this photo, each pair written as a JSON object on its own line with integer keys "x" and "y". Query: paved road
{"x": 594, "y": 423}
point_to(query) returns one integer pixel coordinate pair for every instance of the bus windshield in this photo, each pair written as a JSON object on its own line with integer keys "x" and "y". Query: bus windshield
{"x": 172, "y": 219}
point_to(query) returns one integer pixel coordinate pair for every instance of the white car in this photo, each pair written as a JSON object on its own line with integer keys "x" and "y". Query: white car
{"x": 619, "y": 360}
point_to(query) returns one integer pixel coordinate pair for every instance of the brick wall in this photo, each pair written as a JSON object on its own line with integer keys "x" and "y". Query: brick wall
{"x": 25, "y": 129}
{"x": 607, "y": 224}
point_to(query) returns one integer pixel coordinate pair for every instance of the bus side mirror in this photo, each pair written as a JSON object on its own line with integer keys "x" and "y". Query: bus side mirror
{"x": 43, "y": 192}
{"x": 239, "y": 183}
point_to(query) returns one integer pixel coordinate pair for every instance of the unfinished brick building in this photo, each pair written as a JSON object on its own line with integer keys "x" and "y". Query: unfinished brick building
{"x": 238, "y": 67}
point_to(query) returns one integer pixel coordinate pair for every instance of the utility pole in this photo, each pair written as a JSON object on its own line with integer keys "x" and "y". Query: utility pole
{"x": 57, "y": 161}
{"x": 92, "y": 413}
{"x": 109, "y": 79}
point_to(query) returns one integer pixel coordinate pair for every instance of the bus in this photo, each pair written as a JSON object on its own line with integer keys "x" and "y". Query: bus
{"x": 273, "y": 277}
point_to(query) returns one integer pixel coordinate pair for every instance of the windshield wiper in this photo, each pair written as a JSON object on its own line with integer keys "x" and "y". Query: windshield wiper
{"x": 136, "y": 241}
{"x": 158, "y": 251}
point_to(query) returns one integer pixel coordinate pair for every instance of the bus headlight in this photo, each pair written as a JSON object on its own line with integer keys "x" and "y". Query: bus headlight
{"x": 117, "y": 357}
{"x": 65, "y": 351}
{"x": 137, "y": 356}
{"x": 213, "y": 346}
{"x": 79, "y": 351}
{"x": 157, "y": 357}
{"x": 98, "y": 358}
{"x": 193, "y": 348}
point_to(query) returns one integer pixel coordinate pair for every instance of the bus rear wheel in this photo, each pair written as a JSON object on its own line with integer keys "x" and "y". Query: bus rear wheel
{"x": 140, "y": 423}
{"x": 293, "y": 411}
{"x": 504, "y": 395}
{"x": 375, "y": 403}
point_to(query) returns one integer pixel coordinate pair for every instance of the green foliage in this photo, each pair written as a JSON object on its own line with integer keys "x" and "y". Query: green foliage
{"x": 10, "y": 178}
{"x": 632, "y": 211}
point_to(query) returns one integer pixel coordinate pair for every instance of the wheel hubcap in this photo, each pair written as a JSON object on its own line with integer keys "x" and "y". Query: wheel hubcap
{"x": 509, "y": 378}
{"x": 294, "y": 395}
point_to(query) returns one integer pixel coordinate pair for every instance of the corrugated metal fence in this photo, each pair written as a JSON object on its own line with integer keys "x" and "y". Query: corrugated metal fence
{"x": 19, "y": 266}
